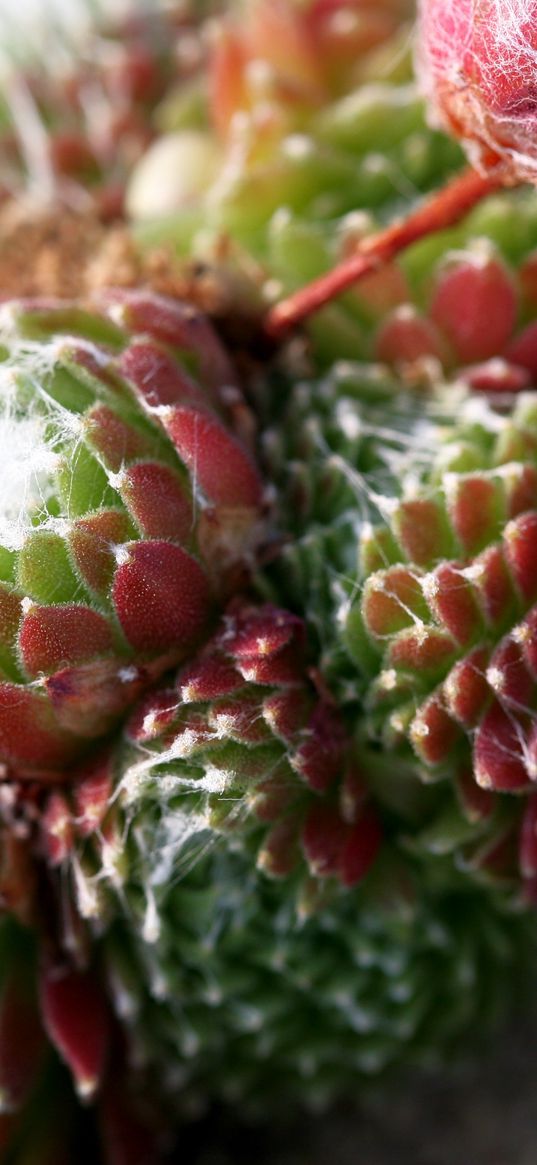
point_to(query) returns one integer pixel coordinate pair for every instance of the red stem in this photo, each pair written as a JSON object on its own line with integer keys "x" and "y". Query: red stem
{"x": 444, "y": 208}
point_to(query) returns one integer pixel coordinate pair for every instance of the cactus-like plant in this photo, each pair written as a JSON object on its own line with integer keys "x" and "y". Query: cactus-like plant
{"x": 129, "y": 510}
{"x": 412, "y": 506}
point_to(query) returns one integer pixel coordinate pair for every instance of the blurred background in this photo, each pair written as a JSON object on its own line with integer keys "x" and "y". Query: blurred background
{"x": 479, "y": 1113}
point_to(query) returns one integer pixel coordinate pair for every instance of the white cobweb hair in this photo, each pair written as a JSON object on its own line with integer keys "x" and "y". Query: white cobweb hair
{"x": 476, "y": 61}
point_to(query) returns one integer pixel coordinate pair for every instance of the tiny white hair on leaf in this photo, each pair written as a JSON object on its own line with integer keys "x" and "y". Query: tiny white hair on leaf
{"x": 35, "y": 431}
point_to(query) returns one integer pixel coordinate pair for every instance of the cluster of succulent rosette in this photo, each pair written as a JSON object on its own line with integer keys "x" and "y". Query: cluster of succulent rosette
{"x": 268, "y": 622}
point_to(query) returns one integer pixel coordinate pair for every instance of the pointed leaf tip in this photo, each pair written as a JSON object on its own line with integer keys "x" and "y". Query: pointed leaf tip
{"x": 77, "y": 1023}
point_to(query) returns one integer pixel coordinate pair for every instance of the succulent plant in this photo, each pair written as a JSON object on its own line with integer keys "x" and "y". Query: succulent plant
{"x": 411, "y": 503}
{"x": 294, "y": 166}
{"x": 130, "y": 510}
{"x": 248, "y": 1005}
{"x": 258, "y": 944}
{"x": 54, "y": 1011}
{"x": 237, "y": 746}
{"x": 134, "y": 796}
{"x": 474, "y": 64}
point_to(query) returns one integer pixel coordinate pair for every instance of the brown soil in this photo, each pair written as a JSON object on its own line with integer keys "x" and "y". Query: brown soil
{"x": 61, "y": 253}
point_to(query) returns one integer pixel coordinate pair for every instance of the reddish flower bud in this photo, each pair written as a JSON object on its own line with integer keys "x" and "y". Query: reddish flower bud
{"x": 477, "y": 63}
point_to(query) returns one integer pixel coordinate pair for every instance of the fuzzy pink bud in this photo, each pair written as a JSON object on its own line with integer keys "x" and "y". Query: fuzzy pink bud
{"x": 476, "y": 59}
